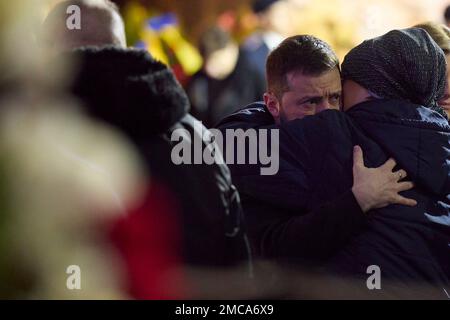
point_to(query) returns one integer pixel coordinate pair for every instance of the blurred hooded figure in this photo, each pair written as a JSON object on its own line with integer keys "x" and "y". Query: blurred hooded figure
{"x": 131, "y": 91}
{"x": 392, "y": 85}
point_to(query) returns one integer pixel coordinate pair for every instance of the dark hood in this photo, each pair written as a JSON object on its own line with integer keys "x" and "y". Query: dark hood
{"x": 401, "y": 64}
{"x": 417, "y": 137}
{"x": 128, "y": 89}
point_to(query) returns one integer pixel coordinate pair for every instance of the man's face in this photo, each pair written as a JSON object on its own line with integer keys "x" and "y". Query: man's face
{"x": 307, "y": 95}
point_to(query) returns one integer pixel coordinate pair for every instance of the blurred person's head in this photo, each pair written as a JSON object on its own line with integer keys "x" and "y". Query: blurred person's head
{"x": 441, "y": 35}
{"x": 262, "y": 6}
{"x": 22, "y": 62}
{"x": 219, "y": 51}
{"x": 273, "y": 15}
{"x": 303, "y": 79}
{"x": 402, "y": 64}
{"x": 447, "y": 15}
{"x": 100, "y": 25}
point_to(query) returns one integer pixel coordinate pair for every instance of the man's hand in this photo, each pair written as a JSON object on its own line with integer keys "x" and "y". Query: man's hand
{"x": 378, "y": 187}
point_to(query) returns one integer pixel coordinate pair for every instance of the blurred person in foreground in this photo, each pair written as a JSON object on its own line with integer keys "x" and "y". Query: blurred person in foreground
{"x": 441, "y": 35}
{"x": 140, "y": 96}
{"x": 227, "y": 79}
{"x": 65, "y": 177}
{"x": 303, "y": 80}
{"x": 391, "y": 87}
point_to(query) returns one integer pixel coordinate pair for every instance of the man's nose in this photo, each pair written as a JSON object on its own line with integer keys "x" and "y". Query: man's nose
{"x": 325, "y": 105}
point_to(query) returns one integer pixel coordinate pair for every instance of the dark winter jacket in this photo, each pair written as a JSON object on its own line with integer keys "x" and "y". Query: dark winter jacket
{"x": 141, "y": 97}
{"x": 411, "y": 245}
{"x": 281, "y": 226}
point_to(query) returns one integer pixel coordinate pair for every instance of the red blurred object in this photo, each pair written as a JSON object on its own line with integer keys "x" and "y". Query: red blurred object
{"x": 148, "y": 240}
{"x": 227, "y": 20}
{"x": 180, "y": 74}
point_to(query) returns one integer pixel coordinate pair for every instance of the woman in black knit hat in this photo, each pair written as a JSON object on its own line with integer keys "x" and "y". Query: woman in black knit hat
{"x": 392, "y": 85}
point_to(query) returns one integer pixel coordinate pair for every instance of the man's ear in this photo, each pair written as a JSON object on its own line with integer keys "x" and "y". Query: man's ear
{"x": 272, "y": 104}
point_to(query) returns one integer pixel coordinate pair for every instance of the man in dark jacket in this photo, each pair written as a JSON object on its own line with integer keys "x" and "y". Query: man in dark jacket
{"x": 392, "y": 111}
{"x": 304, "y": 79}
{"x": 140, "y": 96}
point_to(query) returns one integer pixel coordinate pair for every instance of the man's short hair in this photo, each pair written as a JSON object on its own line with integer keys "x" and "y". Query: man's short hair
{"x": 303, "y": 53}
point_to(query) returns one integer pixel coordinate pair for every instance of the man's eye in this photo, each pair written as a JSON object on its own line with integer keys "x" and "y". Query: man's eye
{"x": 313, "y": 101}
{"x": 306, "y": 105}
{"x": 335, "y": 97}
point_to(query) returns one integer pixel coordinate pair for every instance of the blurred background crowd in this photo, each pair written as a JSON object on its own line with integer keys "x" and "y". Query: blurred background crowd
{"x": 65, "y": 175}
{"x": 225, "y": 43}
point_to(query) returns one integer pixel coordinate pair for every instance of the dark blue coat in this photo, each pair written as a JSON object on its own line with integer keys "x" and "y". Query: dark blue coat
{"x": 409, "y": 244}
